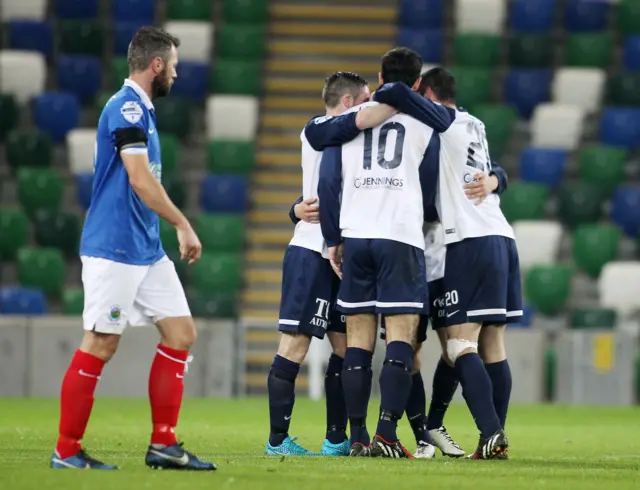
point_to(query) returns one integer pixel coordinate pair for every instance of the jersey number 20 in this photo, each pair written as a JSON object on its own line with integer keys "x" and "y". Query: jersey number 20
{"x": 382, "y": 146}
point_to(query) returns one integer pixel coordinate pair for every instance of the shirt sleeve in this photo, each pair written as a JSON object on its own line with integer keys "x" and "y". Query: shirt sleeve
{"x": 325, "y": 131}
{"x": 127, "y": 123}
{"x": 408, "y": 101}
{"x": 501, "y": 174}
{"x": 429, "y": 174}
{"x": 329, "y": 190}
{"x": 292, "y": 211}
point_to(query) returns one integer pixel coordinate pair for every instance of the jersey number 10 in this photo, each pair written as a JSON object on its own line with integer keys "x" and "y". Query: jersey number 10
{"x": 382, "y": 146}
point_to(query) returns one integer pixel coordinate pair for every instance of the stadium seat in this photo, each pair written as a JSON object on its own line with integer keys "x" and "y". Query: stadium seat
{"x": 625, "y": 209}
{"x": 73, "y": 301}
{"x": 538, "y": 242}
{"x": 632, "y": 53}
{"x": 189, "y": 10}
{"x": 219, "y": 272}
{"x": 14, "y": 232}
{"x": 169, "y": 150}
{"x": 31, "y": 35}
{"x": 245, "y": 11}
{"x": 81, "y": 145}
{"x": 618, "y": 287}
{"x": 244, "y": 42}
{"x": 620, "y": 127}
{"x": 429, "y": 44}
{"x": 527, "y": 16}
{"x": 593, "y": 318}
{"x": 41, "y": 268}
{"x": 59, "y": 230}
{"x": 84, "y": 189}
{"x": 231, "y": 157}
{"x": 232, "y": 117}
{"x": 134, "y": 10}
{"x": 9, "y": 115}
{"x": 582, "y": 87}
{"x": 76, "y": 9}
{"x": 580, "y": 203}
{"x": 22, "y": 74}
{"x": 236, "y": 77}
{"x": 22, "y": 301}
{"x": 192, "y": 81}
{"x": 557, "y": 126}
{"x": 223, "y": 194}
{"x": 32, "y": 10}
{"x": 581, "y": 16}
{"x": 425, "y": 14}
{"x": 629, "y": 17}
{"x": 531, "y": 51}
{"x": 499, "y": 121}
{"x": 603, "y": 166}
{"x": 173, "y": 116}
{"x": 56, "y": 113}
{"x": 169, "y": 237}
{"x": 624, "y": 89}
{"x": 119, "y": 70}
{"x": 80, "y": 75}
{"x": 213, "y": 304}
{"x": 589, "y": 50}
{"x": 473, "y": 84}
{"x": 594, "y": 245}
{"x": 221, "y": 232}
{"x": 524, "y": 201}
{"x": 102, "y": 99}
{"x": 81, "y": 37}
{"x": 29, "y": 148}
{"x": 485, "y": 16}
{"x": 481, "y": 50}
{"x": 196, "y": 39}
{"x": 39, "y": 189}
{"x": 122, "y": 34}
{"x": 548, "y": 287}
{"x": 543, "y": 166}
{"x": 176, "y": 189}
{"x": 525, "y": 89}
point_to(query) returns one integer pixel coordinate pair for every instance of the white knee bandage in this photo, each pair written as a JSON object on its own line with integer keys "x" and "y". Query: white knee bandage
{"x": 455, "y": 347}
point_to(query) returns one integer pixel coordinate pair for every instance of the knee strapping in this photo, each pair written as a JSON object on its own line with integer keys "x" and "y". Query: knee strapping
{"x": 455, "y": 347}
{"x": 399, "y": 364}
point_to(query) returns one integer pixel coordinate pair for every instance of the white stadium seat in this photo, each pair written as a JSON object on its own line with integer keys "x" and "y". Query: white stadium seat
{"x": 557, "y": 126}
{"x": 81, "y": 150}
{"x": 232, "y": 117}
{"x": 23, "y": 9}
{"x": 22, "y": 74}
{"x": 196, "y": 39}
{"x": 480, "y": 16}
{"x": 582, "y": 87}
{"x": 619, "y": 286}
{"x": 538, "y": 242}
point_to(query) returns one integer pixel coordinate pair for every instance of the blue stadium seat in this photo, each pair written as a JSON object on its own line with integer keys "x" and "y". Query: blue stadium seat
{"x": 81, "y": 75}
{"x": 422, "y": 14}
{"x": 528, "y": 16}
{"x": 122, "y": 34}
{"x": 427, "y": 43}
{"x": 224, "y": 193}
{"x": 22, "y": 301}
{"x": 84, "y": 189}
{"x": 56, "y": 113}
{"x": 620, "y": 126}
{"x": 525, "y": 89}
{"x": 134, "y": 10}
{"x": 192, "y": 81}
{"x": 76, "y": 9}
{"x": 625, "y": 209}
{"x": 543, "y": 166}
{"x": 31, "y": 35}
{"x": 632, "y": 53}
{"x": 586, "y": 15}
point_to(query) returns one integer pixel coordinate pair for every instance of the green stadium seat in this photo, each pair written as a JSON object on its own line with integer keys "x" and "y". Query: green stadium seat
{"x": 603, "y": 166}
{"x": 591, "y": 50}
{"x": 59, "y": 230}
{"x": 173, "y": 115}
{"x": 14, "y": 232}
{"x": 629, "y": 17}
{"x": 595, "y": 245}
{"x": 213, "y": 305}
{"x": 219, "y": 272}
{"x": 531, "y": 51}
{"x": 246, "y": 42}
{"x": 169, "y": 237}
{"x": 39, "y": 189}
{"x": 236, "y": 77}
{"x": 73, "y": 301}
{"x": 524, "y": 201}
{"x": 119, "y": 71}
{"x": 580, "y": 203}
{"x": 245, "y": 11}
{"x": 593, "y": 318}
{"x": 29, "y": 148}
{"x": 169, "y": 149}
{"x": 176, "y": 189}
{"x": 41, "y": 268}
{"x": 189, "y": 10}
{"x": 479, "y": 50}
{"x": 624, "y": 89}
{"x": 221, "y": 232}
{"x": 81, "y": 37}
{"x": 9, "y": 114}
{"x": 231, "y": 157}
{"x": 474, "y": 85}
{"x": 547, "y": 287}
{"x": 102, "y": 99}
{"x": 499, "y": 121}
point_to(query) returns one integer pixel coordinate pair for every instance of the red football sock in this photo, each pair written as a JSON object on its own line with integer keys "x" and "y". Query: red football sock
{"x": 76, "y": 401}
{"x": 166, "y": 386}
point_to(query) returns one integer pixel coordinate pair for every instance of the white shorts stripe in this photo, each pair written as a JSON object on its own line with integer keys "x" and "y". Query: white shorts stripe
{"x": 356, "y": 305}
{"x": 515, "y": 313}
{"x": 399, "y": 305}
{"x": 489, "y": 311}
{"x": 288, "y": 322}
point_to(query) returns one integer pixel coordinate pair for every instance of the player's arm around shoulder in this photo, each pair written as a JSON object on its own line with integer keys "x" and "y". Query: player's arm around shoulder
{"x": 329, "y": 190}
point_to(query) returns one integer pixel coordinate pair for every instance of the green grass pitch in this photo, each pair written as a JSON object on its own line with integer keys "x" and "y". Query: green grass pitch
{"x": 552, "y": 447}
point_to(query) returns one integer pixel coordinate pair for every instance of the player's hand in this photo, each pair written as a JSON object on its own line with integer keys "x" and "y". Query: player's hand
{"x": 190, "y": 246}
{"x": 335, "y": 258}
{"x": 481, "y": 187}
{"x": 308, "y": 211}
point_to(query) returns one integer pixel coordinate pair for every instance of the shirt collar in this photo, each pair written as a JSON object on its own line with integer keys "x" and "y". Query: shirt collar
{"x": 141, "y": 93}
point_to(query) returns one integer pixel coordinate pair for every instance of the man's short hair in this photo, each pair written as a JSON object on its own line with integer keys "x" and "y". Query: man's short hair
{"x": 441, "y": 82}
{"x": 149, "y": 43}
{"x": 339, "y": 84}
{"x": 401, "y": 65}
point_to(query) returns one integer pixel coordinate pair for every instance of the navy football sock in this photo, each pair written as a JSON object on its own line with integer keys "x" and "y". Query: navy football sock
{"x": 478, "y": 392}
{"x": 334, "y": 397}
{"x": 445, "y": 384}
{"x": 281, "y": 385}
{"x": 415, "y": 410}
{"x": 356, "y": 383}
{"x": 395, "y": 385}
{"x": 500, "y": 375}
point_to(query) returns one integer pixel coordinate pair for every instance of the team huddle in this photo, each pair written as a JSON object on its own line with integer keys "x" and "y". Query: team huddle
{"x": 399, "y": 225}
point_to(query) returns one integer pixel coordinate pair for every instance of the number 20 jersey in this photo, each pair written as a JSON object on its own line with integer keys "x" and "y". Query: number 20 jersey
{"x": 381, "y": 193}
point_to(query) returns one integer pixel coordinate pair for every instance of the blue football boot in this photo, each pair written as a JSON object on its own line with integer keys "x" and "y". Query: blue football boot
{"x": 288, "y": 448}
{"x": 341, "y": 449}
{"x": 175, "y": 457}
{"x": 79, "y": 461}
